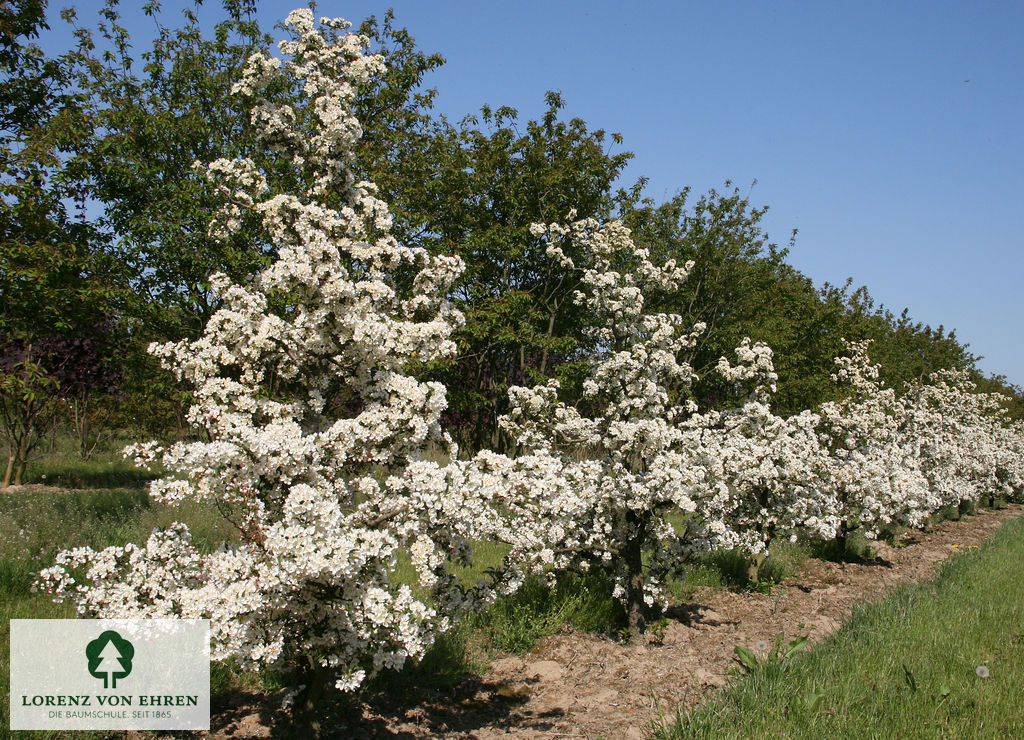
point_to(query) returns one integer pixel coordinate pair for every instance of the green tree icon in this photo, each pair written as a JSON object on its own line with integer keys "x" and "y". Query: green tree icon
{"x": 110, "y": 658}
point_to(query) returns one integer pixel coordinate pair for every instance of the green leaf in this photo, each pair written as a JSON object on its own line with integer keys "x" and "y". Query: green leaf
{"x": 795, "y": 647}
{"x": 813, "y": 701}
{"x": 746, "y": 658}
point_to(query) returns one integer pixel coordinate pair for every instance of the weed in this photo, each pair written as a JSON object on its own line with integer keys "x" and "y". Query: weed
{"x": 780, "y": 651}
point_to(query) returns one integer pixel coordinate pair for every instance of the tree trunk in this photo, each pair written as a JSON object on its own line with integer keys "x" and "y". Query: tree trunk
{"x": 842, "y": 538}
{"x": 24, "y": 449}
{"x": 551, "y": 331}
{"x": 309, "y": 703}
{"x": 10, "y": 470}
{"x": 638, "y": 611}
{"x": 754, "y": 568}
{"x": 81, "y": 418}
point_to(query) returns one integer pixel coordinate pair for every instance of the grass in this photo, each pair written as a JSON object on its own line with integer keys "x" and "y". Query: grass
{"x": 537, "y": 610}
{"x": 62, "y": 465}
{"x": 36, "y": 524}
{"x": 728, "y": 569}
{"x": 904, "y": 667}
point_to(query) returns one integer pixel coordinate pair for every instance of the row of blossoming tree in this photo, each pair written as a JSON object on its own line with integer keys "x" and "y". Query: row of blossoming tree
{"x": 329, "y": 455}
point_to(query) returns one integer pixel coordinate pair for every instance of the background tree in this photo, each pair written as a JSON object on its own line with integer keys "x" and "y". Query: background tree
{"x": 521, "y": 323}
{"x": 139, "y": 121}
{"x": 28, "y": 78}
{"x": 56, "y": 283}
{"x": 742, "y": 286}
{"x": 133, "y": 130}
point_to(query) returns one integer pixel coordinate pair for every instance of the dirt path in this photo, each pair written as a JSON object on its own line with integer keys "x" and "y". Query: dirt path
{"x": 583, "y": 686}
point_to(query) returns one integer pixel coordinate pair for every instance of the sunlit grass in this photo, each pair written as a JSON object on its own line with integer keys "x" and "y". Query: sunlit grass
{"x": 905, "y": 667}
{"x": 61, "y": 465}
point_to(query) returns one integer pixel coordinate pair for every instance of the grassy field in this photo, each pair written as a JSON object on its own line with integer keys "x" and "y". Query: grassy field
{"x": 943, "y": 659}
{"x": 36, "y": 524}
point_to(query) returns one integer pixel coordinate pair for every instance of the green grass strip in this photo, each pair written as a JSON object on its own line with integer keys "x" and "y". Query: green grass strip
{"x": 942, "y": 659}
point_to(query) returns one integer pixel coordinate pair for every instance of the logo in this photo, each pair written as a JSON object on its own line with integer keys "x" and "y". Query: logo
{"x": 109, "y": 674}
{"x": 110, "y": 658}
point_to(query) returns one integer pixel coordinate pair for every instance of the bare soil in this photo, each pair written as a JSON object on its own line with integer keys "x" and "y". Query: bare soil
{"x": 584, "y": 686}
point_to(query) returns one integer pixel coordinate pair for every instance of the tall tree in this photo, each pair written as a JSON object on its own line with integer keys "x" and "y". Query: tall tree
{"x": 137, "y": 121}
{"x": 140, "y": 121}
{"x": 54, "y": 280}
{"x": 27, "y": 75}
{"x": 522, "y": 324}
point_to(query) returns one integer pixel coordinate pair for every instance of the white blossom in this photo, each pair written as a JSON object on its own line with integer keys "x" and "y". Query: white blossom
{"x": 315, "y": 432}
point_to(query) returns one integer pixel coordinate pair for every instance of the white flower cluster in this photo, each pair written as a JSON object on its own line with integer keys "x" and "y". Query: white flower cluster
{"x": 866, "y": 467}
{"x": 869, "y": 461}
{"x": 760, "y": 470}
{"x": 965, "y": 447}
{"x": 316, "y": 432}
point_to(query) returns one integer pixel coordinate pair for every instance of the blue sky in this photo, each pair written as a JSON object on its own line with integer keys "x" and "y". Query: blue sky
{"x": 890, "y": 134}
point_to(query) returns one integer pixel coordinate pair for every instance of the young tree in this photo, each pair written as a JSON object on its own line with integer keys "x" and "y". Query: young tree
{"x": 599, "y": 482}
{"x": 760, "y": 471}
{"x": 138, "y": 117}
{"x": 318, "y": 436}
{"x": 56, "y": 302}
{"x": 28, "y": 403}
{"x": 872, "y": 473}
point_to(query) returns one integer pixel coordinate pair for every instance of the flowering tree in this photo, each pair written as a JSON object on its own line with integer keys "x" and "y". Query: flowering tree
{"x": 599, "y": 484}
{"x": 317, "y": 433}
{"x": 966, "y": 448}
{"x": 1010, "y": 459}
{"x": 870, "y": 469}
{"x": 759, "y": 470}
